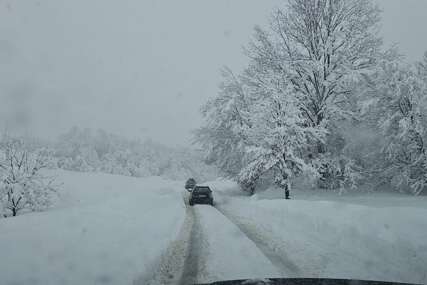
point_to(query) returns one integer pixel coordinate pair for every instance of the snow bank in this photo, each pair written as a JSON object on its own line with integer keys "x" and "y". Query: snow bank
{"x": 106, "y": 229}
{"x": 358, "y": 239}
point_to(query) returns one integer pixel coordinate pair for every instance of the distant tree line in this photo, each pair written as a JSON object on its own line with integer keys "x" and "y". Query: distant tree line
{"x": 321, "y": 98}
{"x": 96, "y": 150}
{"x": 26, "y": 186}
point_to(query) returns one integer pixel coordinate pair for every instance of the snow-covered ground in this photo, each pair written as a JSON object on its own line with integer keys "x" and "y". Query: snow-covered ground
{"x": 377, "y": 236}
{"x": 106, "y": 229}
{"x": 109, "y": 229}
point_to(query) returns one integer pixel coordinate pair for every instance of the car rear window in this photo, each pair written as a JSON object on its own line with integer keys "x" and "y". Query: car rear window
{"x": 202, "y": 189}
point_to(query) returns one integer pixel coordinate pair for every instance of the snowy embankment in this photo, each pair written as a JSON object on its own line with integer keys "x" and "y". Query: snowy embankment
{"x": 364, "y": 237}
{"x": 106, "y": 229}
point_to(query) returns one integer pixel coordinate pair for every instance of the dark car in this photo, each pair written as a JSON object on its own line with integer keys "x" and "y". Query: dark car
{"x": 201, "y": 195}
{"x": 190, "y": 184}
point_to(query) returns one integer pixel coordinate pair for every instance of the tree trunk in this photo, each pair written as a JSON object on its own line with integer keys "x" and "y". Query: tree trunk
{"x": 252, "y": 189}
{"x": 14, "y": 212}
{"x": 287, "y": 192}
{"x": 285, "y": 185}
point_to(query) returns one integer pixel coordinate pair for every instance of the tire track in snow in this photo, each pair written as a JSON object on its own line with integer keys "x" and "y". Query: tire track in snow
{"x": 168, "y": 268}
{"x": 278, "y": 258}
{"x": 181, "y": 262}
{"x": 193, "y": 265}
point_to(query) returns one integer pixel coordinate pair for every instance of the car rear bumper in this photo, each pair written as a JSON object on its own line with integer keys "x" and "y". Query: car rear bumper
{"x": 201, "y": 200}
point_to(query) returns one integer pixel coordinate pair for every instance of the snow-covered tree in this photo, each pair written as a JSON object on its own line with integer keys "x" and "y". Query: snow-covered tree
{"x": 279, "y": 141}
{"x": 400, "y": 94}
{"x": 314, "y": 58}
{"x": 227, "y": 118}
{"x": 321, "y": 47}
{"x": 422, "y": 66}
{"x": 22, "y": 184}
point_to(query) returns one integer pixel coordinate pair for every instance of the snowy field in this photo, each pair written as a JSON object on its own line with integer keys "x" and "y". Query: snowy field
{"x": 109, "y": 229}
{"x": 106, "y": 230}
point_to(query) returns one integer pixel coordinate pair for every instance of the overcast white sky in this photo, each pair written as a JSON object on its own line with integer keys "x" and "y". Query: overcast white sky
{"x": 140, "y": 68}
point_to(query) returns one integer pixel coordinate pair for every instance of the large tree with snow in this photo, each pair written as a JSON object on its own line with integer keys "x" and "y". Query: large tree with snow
{"x": 321, "y": 47}
{"x": 311, "y": 59}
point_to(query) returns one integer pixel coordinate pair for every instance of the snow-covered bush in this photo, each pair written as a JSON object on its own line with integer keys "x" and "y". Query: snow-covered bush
{"x": 338, "y": 173}
{"x": 22, "y": 185}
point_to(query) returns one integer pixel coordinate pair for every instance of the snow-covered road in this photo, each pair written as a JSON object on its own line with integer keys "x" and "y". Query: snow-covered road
{"x": 212, "y": 248}
{"x": 109, "y": 229}
{"x": 279, "y": 258}
{"x": 228, "y": 252}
